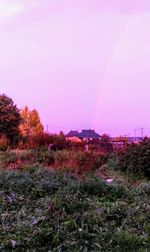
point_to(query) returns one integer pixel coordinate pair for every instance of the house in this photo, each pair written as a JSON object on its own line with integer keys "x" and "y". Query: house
{"x": 135, "y": 139}
{"x": 73, "y": 136}
{"x": 85, "y": 135}
{"x": 119, "y": 142}
{"x": 122, "y": 142}
{"x": 89, "y": 135}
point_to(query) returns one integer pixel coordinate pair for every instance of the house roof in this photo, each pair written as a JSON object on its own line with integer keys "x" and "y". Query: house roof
{"x": 89, "y": 134}
{"x": 73, "y": 133}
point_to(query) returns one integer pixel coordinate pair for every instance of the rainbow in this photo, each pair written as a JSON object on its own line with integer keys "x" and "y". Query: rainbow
{"x": 109, "y": 68}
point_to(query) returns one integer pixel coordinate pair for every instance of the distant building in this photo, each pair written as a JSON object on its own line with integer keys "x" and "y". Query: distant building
{"x": 89, "y": 135}
{"x": 73, "y": 136}
{"x": 135, "y": 139}
{"x": 73, "y": 133}
{"x": 119, "y": 142}
{"x": 85, "y": 135}
{"x": 122, "y": 142}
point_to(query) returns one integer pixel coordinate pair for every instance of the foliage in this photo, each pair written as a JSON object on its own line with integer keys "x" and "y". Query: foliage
{"x": 9, "y": 119}
{"x": 44, "y": 211}
{"x": 105, "y": 143}
{"x": 59, "y": 141}
{"x": 31, "y": 124}
{"x": 39, "y": 140}
{"x": 78, "y": 162}
{"x": 4, "y": 143}
{"x": 135, "y": 159}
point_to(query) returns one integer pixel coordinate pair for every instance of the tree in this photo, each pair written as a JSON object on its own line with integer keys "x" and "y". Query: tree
{"x": 24, "y": 125}
{"x": 105, "y": 143}
{"x": 9, "y": 119}
{"x": 31, "y": 124}
{"x": 35, "y": 124}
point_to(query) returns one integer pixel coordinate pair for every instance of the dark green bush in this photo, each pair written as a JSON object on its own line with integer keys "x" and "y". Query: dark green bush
{"x": 135, "y": 159}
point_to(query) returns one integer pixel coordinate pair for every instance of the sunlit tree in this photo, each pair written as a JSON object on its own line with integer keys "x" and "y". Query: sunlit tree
{"x": 31, "y": 124}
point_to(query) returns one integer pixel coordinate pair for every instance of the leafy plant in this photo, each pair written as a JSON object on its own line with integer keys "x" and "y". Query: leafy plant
{"x": 135, "y": 159}
{"x": 45, "y": 211}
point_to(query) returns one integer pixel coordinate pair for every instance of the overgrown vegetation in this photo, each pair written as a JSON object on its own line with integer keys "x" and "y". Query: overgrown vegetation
{"x": 68, "y": 205}
{"x": 134, "y": 160}
{"x": 78, "y": 162}
{"x": 80, "y": 199}
{"x": 45, "y": 211}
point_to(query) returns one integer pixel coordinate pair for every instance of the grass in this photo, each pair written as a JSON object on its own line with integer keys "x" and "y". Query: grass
{"x": 122, "y": 178}
{"x": 45, "y": 211}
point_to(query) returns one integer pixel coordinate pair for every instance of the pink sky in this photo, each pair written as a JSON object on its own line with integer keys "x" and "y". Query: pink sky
{"x": 81, "y": 63}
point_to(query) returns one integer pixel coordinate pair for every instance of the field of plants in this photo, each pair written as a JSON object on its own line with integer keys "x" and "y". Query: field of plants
{"x": 75, "y": 200}
{"x": 45, "y": 211}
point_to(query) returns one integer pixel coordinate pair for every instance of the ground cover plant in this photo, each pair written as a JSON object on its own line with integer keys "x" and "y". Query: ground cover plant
{"x": 60, "y": 200}
{"x": 45, "y": 211}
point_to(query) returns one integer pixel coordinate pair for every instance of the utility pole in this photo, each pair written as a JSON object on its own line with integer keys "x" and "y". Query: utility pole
{"x": 135, "y": 134}
{"x": 47, "y": 128}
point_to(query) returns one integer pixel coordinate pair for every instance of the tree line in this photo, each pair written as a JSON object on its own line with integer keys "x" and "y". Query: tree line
{"x": 23, "y": 129}
{"x": 17, "y": 126}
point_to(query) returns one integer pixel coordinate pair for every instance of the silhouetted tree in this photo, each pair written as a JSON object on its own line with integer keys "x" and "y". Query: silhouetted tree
{"x": 9, "y": 119}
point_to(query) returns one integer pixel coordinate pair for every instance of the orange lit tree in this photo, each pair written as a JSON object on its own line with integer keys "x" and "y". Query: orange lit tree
{"x": 31, "y": 124}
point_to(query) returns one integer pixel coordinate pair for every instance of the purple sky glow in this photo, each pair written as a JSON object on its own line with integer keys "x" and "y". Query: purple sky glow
{"x": 80, "y": 63}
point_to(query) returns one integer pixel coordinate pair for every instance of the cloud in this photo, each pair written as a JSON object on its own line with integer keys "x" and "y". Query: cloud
{"x": 126, "y": 6}
{"x": 8, "y": 9}
{"x": 17, "y": 13}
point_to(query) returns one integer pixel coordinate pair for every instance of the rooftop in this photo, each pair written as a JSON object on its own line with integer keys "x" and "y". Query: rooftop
{"x": 84, "y": 134}
{"x": 73, "y": 133}
{"x": 89, "y": 134}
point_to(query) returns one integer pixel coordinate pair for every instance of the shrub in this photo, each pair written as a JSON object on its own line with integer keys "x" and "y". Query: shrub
{"x": 4, "y": 143}
{"x": 44, "y": 157}
{"x": 106, "y": 144}
{"x": 78, "y": 162}
{"x": 135, "y": 159}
